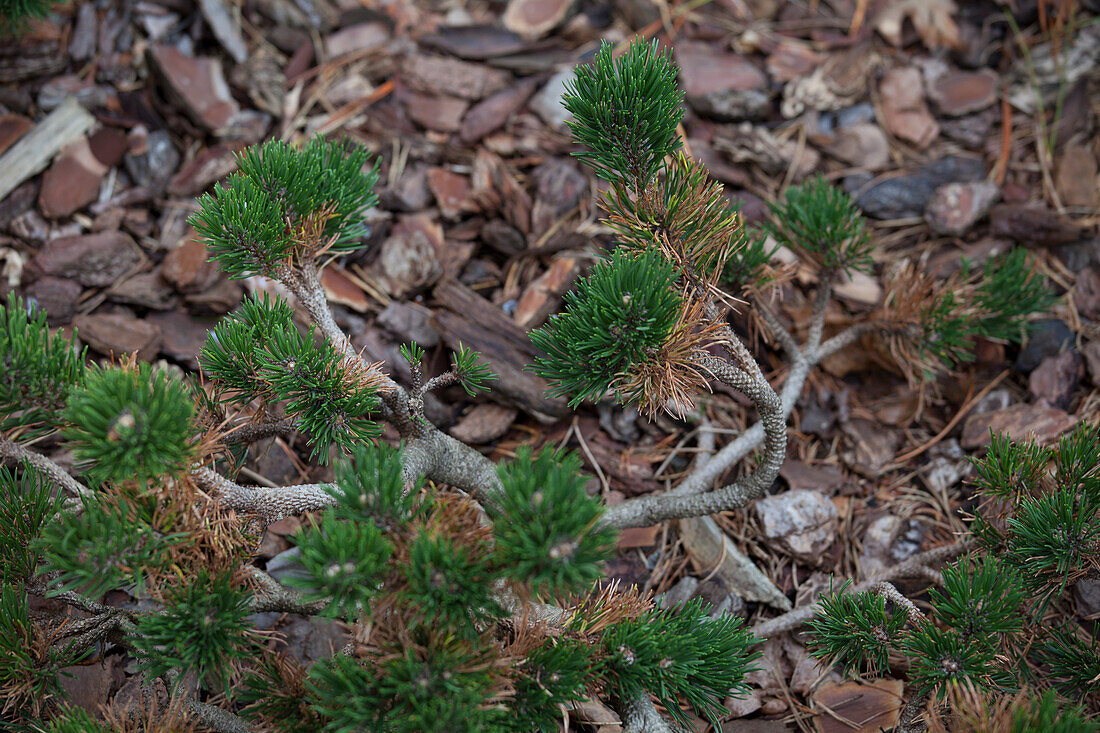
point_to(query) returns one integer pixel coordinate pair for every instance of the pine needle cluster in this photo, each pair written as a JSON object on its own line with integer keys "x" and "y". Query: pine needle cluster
{"x": 259, "y": 354}
{"x": 15, "y": 15}
{"x": 992, "y": 624}
{"x": 436, "y": 649}
{"x": 931, "y": 327}
{"x": 822, "y": 224}
{"x": 38, "y": 370}
{"x": 287, "y": 206}
{"x": 637, "y": 324}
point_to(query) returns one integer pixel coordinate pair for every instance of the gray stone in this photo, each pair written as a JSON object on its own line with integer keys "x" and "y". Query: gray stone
{"x": 680, "y": 593}
{"x": 154, "y": 162}
{"x": 547, "y": 102}
{"x": 1048, "y": 338}
{"x": 286, "y": 565}
{"x": 1087, "y": 594}
{"x": 906, "y": 196}
{"x": 802, "y": 522}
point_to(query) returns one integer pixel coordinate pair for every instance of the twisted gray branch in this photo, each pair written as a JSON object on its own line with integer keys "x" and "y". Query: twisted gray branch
{"x": 271, "y": 504}
{"x": 648, "y": 510}
{"x": 13, "y": 451}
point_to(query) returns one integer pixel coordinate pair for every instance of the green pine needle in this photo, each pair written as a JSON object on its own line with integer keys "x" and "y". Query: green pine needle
{"x": 286, "y": 204}
{"x": 617, "y": 317}
{"x": 1010, "y": 290}
{"x": 625, "y": 112}
{"x": 473, "y": 374}
{"x": 371, "y": 487}
{"x": 855, "y": 631}
{"x": 131, "y": 424}
{"x": 15, "y": 15}
{"x": 979, "y": 599}
{"x": 38, "y": 371}
{"x": 203, "y": 630}
{"x": 344, "y": 563}
{"x": 546, "y": 526}
{"x": 28, "y": 501}
{"x": 680, "y": 654}
{"x": 436, "y": 689}
{"x": 747, "y": 266}
{"x": 1010, "y": 470}
{"x": 450, "y": 586}
{"x": 28, "y": 683}
{"x": 1073, "y": 662}
{"x": 942, "y": 657}
{"x": 551, "y": 676}
{"x": 1046, "y": 715}
{"x": 1051, "y": 540}
{"x": 105, "y": 546}
{"x": 821, "y": 222}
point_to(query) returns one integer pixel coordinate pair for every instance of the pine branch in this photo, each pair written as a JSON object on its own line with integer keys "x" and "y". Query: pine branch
{"x": 252, "y": 432}
{"x": 217, "y": 718}
{"x": 639, "y": 715}
{"x": 778, "y": 331}
{"x": 272, "y": 504}
{"x": 909, "y": 568}
{"x": 702, "y": 477}
{"x": 276, "y": 597}
{"x": 648, "y": 510}
{"x": 887, "y": 590}
{"x": 13, "y": 451}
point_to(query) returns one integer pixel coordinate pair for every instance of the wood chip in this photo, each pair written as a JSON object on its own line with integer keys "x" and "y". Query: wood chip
{"x": 34, "y": 151}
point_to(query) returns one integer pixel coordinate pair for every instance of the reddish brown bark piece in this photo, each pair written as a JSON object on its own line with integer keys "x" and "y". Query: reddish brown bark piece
{"x": 1076, "y": 179}
{"x": 957, "y": 93}
{"x": 118, "y": 334}
{"x": 1033, "y": 225}
{"x": 904, "y": 111}
{"x": 484, "y": 424}
{"x": 873, "y": 706}
{"x": 361, "y": 37}
{"x": 72, "y": 182}
{"x": 12, "y": 127}
{"x": 341, "y": 290}
{"x": 706, "y": 70}
{"x": 1020, "y": 422}
{"x": 442, "y": 114}
{"x": 209, "y": 166}
{"x": 491, "y": 113}
{"x": 109, "y": 144}
{"x": 469, "y": 319}
{"x": 199, "y": 84}
{"x": 475, "y": 41}
{"x": 188, "y": 269}
{"x": 451, "y": 191}
{"x": 182, "y": 336}
{"x": 440, "y": 75}
{"x": 542, "y": 296}
{"x": 94, "y": 260}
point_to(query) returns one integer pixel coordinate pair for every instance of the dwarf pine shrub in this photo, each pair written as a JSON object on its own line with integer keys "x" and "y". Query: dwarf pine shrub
{"x": 471, "y": 591}
{"x": 1000, "y": 619}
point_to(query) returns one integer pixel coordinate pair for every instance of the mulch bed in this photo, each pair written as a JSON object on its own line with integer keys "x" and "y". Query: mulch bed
{"x": 931, "y": 121}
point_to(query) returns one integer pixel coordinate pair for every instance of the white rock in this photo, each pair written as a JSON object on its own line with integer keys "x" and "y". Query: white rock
{"x": 802, "y": 522}
{"x": 547, "y": 102}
